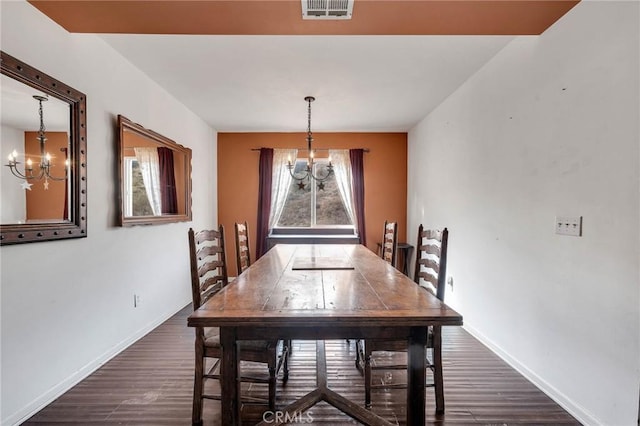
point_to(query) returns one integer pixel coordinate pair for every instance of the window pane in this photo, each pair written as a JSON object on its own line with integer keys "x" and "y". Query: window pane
{"x": 141, "y": 205}
{"x": 324, "y": 197}
{"x": 297, "y": 208}
{"x": 330, "y": 209}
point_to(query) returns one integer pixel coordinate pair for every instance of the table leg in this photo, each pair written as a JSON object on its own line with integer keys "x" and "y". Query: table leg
{"x": 230, "y": 398}
{"x": 407, "y": 256}
{"x": 416, "y": 376}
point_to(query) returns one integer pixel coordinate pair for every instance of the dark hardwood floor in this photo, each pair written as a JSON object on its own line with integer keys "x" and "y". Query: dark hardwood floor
{"x": 150, "y": 383}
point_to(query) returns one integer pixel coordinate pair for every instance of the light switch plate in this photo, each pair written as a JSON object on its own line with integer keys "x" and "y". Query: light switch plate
{"x": 569, "y": 225}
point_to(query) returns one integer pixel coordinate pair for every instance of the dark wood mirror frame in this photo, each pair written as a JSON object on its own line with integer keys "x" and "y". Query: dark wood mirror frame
{"x": 76, "y": 227}
{"x": 183, "y": 179}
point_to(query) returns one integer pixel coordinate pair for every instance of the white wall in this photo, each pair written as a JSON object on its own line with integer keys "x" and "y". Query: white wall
{"x": 13, "y": 205}
{"x": 68, "y": 306}
{"x": 548, "y": 127}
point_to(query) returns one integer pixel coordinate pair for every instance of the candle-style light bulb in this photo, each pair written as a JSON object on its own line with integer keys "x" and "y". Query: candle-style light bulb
{"x": 47, "y": 157}
{"x": 29, "y": 164}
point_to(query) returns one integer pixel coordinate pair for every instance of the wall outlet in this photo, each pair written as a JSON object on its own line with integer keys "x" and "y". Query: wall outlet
{"x": 136, "y": 300}
{"x": 569, "y": 225}
{"x": 450, "y": 282}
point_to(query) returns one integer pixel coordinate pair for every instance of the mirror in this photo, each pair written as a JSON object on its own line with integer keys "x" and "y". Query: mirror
{"x": 155, "y": 177}
{"x": 43, "y": 143}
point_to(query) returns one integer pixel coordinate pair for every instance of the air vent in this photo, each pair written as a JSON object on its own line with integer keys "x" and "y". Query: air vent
{"x": 327, "y": 9}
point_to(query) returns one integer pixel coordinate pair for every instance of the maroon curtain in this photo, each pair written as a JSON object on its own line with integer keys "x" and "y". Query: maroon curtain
{"x": 265, "y": 172}
{"x": 168, "y": 197}
{"x": 357, "y": 171}
{"x": 65, "y": 210}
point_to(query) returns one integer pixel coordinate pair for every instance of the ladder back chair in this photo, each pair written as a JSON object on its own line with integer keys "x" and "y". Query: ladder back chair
{"x": 243, "y": 258}
{"x": 209, "y": 276}
{"x": 430, "y": 274}
{"x": 387, "y": 250}
{"x": 390, "y": 242}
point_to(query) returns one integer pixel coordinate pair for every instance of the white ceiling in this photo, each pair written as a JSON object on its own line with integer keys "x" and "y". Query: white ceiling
{"x": 258, "y": 83}
{"x": 20, "y": 110}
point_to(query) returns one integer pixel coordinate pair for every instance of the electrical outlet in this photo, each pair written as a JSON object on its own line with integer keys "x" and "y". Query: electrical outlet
{"x": 136, "y": 300}
{"x": 450, "y": 282}
{"x": 569, "y": 225}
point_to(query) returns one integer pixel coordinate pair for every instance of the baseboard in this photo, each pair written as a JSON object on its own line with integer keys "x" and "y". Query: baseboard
{"x": 576, "y": 410}
{"x": 62, "y": 387}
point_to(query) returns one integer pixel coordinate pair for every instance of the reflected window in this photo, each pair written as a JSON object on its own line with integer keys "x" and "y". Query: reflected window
{"x": 136, "y": 201}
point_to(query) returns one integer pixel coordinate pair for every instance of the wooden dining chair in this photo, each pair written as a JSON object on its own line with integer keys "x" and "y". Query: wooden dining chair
{"x": 390, "y": 242}
{"x": 430, "y": 274}
{"x": 243, "y": 258}
{"x": 387, "y": 250}
{"x": 209, "y": 276}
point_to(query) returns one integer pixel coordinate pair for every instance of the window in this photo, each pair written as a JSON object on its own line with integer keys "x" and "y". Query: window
{"x": 316, "y": 204}
{"x": 136, "y": 199}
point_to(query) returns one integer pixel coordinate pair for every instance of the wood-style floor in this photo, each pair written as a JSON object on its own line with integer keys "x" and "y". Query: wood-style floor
{"x": 151, "y": 383}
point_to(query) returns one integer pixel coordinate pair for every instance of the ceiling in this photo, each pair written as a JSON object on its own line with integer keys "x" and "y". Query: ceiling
{"x": 246, "y": 66}
{"x": 20, "y": 109}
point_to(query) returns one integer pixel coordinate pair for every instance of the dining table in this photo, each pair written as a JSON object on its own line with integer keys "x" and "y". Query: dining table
{"x": 318, "y": 292}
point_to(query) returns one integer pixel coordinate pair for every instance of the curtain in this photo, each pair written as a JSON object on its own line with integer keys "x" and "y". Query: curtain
{"x": 342, "y": 171}
{"x": 148, "y": 161}
{"x": 264, "y": 199}
{"x": 281, "y": 182}
{"x": 67, "y": 182}
{"x": 357, "y": 170}
{"x": 168, "y": 197}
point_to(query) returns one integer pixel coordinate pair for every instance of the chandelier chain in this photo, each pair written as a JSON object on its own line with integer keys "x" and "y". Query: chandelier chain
{"x": 42, "y": 128}
{"x": 309, "y": 134}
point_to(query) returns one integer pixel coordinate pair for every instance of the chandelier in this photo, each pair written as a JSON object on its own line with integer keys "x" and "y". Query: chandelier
{"x": 308, "y": 172}
{"x": 29, "y": 173}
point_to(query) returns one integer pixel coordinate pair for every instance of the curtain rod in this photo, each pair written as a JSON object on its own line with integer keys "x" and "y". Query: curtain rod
{"x": 315, "y": 149}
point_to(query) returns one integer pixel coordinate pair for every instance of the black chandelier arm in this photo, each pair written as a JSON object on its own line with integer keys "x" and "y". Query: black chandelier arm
{"x": 48, "y": 174}
{"x": 299, "y": 178}
{"x": 308, "y": 173}
{"x": 25, "y": 176}
{"x": 28, "y": 175}
{"x": 66, "y": 167}
{"x": 325, "y": 177}
{"x": 15, "y": 172}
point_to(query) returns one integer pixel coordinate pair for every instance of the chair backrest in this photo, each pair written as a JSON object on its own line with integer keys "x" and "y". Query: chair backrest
{"x": 243, "y": 258}
{"x": 431, "y": 259}
{"x": 208, "y": 264}
{"x": 390, "y": 242}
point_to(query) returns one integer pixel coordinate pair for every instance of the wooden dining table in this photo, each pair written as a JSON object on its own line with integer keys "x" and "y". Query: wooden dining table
{"x": 318, "y": 292}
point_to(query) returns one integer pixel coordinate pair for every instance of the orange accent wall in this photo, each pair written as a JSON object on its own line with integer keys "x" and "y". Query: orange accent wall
{"x": 385, "y": 175}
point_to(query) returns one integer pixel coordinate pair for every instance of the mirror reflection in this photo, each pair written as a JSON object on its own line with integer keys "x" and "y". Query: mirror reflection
{"x": 35, "y": 142}
{"x": 43, "y": 149}
{"x": 155, "y": 177}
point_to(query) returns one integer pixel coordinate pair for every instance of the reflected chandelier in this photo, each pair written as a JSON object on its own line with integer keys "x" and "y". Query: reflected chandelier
{"x": 45, "y": 158}
{"x": 307, "y": 173}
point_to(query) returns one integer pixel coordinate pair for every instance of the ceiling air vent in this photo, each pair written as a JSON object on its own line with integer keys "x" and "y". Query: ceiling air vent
{"x": 327, "y": 9}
